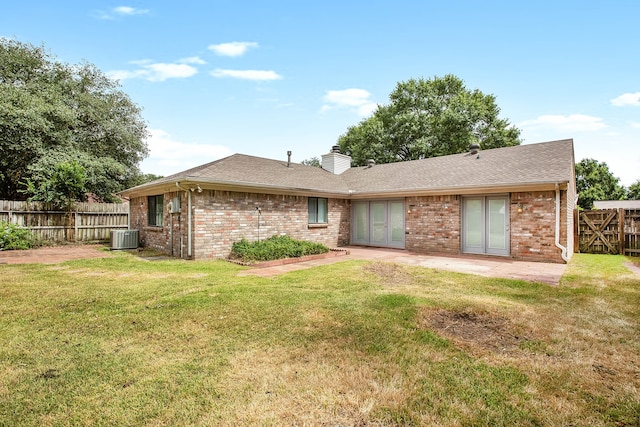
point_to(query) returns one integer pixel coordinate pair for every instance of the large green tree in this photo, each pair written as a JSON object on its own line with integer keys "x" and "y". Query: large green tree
{"x": 634, "y": 191}
{"x": 50, "y": 110}
{"x": 428, "y": 118}
{"x": 60, "y": 185}
{"x": 594, "y": 181}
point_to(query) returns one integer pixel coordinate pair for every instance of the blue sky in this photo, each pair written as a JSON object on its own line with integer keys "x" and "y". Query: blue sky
{"x": 262, "y": 77}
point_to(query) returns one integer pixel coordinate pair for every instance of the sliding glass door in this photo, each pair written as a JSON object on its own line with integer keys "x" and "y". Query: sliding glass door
{"x": 378, "y": 223}
{"x": 485, "y": 225}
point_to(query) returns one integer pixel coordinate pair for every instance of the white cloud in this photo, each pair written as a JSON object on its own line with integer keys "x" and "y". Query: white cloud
{"x": 127, "y": 10}
{"x": 119, "y": 11}
{"x": 358, "y": 100}
{"x": 126, "y": 74}
{"x": 570, "y": 123}
{"x": 155, "y": 72}
{"x": 247, "y": 74}
{"x": 168, "y": 156}
{"x": 627, "y": 99}
{"x": 193, "y": 60}
{"x": 160, "y": 72}
{"x": 635, "y": 125}
{"x": 232, "y": 49}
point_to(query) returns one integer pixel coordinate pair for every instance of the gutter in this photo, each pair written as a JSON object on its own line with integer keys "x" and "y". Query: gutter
{"x": 235, "y": 186}
{"x": 563, "y": 248}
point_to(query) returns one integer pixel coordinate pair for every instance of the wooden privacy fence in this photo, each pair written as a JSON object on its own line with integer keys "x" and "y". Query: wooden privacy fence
{"x": 86, "y": 222}
{"x": 609, "y": 231}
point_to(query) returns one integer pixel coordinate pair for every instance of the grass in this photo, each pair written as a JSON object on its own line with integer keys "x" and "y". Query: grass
{"x": 124, "y": 341}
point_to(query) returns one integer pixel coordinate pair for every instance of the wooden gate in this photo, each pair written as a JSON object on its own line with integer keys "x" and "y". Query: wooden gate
{"x": 632, "y": 232}
{"x": 609, "y": 231}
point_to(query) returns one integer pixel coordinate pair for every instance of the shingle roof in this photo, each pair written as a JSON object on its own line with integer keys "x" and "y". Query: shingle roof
{"x": 244, "y": 170}
{"x": 616, "y": 204}
{"x": 550, "y": 162}
{"x": 523, "y": 165}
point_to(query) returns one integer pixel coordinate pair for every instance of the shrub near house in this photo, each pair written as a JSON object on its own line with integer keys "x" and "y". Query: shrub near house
{"x": 276, "y": 247}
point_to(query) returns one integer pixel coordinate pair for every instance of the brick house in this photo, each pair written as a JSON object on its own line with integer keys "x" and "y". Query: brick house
{"x": 514, "y": 202}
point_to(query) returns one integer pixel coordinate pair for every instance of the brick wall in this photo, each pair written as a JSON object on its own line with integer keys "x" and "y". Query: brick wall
{"x": 161, "y": 238}
{"x": 433, "y": 226}
{"x": 222, "y": 218}
{"x": 533, "y": 229}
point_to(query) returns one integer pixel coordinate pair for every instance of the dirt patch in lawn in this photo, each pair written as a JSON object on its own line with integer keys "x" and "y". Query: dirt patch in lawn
{"x": 474, "y": 329}
{"x": 53, "y": 254}
{"x": 390, "y": 274}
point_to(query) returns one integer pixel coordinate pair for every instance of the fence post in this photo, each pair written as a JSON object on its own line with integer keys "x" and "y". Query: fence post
{"x": 576, "y": 231}
{"x": 622, "y": 236}
{"x": 75, "y": 231}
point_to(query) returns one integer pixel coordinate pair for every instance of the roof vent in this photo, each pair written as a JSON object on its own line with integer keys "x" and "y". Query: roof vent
{"x": 474, "y": 148}
{"x": 335, "y": 149}
{"x": 371, "y": 163}
{"x": 289, "y": 158}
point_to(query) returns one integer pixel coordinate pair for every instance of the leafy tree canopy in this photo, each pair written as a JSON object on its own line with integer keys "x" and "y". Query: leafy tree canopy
{"x": 147, "y": 177}
{"x": 60, "y": 184}
{"x": 594, "y": 181}
{"x": 52, "y": 112}
{"x": 634, "y": 191}
{"x": 313, "y": 161}
{"x": 428, "y": 118}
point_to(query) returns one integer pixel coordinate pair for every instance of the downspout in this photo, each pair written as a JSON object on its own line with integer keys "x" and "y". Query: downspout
{"x": 563, "y": 248}
{"x": 189, "y": 231}
{"x": 128, "y": 213}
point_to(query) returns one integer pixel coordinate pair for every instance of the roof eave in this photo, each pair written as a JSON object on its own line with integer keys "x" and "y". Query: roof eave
{"x": 463, "y": 190}
{"x": 184, "y": 183}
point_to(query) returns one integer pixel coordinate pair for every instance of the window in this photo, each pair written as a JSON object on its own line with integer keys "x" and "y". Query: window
{"x": 155, "y": 210}
{"x": 317, "y": 210}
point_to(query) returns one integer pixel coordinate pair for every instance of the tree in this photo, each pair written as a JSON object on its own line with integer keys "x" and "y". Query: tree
{"x": 428, "y": 118}
{"x": 594, "y": 181}
{"x": 146, "y": 177}
{"x": 634, "y": 191}
{"x": 52, "y": 110}
{"x": 60, "y": 185}
{"x": 313, "y": 161}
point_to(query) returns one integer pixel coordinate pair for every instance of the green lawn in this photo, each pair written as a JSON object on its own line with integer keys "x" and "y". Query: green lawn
{"x": 124, "y": 341}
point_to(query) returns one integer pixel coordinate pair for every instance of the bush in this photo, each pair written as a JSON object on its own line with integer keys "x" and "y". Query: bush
{"x": 276, "y": 247}
{"x": 15, "y": 237}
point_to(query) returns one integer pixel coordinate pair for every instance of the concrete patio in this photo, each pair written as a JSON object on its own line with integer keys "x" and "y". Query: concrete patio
{"x": 541, "y": 272}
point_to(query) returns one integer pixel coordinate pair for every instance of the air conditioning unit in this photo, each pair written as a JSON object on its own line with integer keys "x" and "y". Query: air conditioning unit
{"x": 124, "y": 239}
